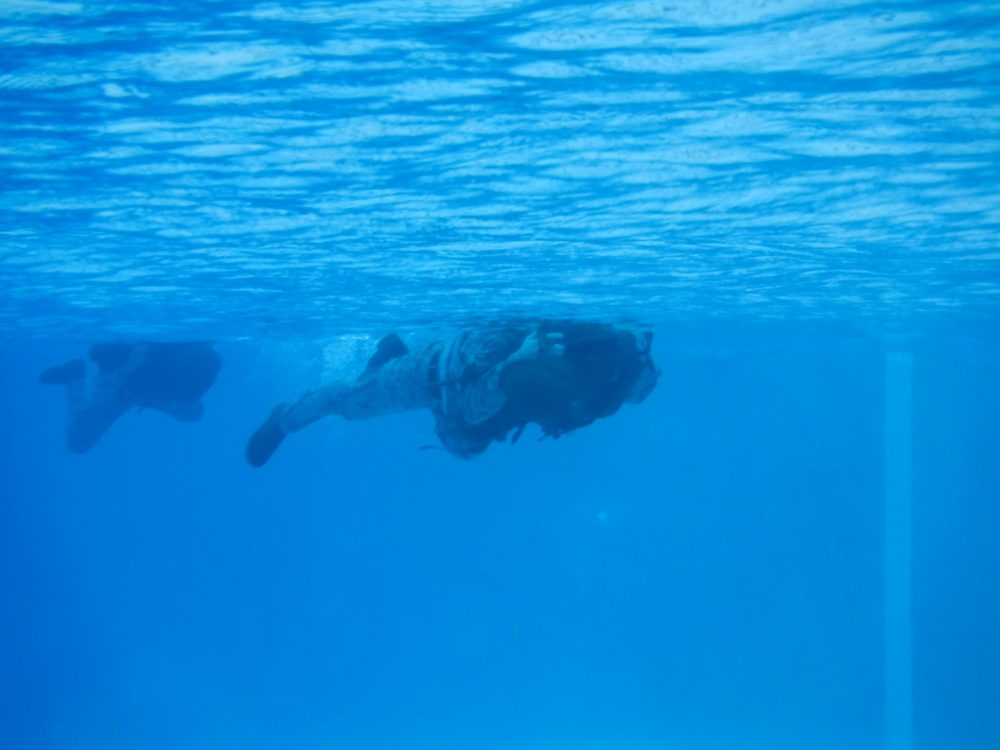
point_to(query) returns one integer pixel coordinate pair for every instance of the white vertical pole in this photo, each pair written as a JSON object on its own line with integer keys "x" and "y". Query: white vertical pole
{"x": 897, "y": 584}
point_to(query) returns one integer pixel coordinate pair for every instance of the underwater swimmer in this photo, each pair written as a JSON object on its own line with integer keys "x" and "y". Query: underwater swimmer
{"x": 484, "y": 384}
{"x": 168, "y": 377}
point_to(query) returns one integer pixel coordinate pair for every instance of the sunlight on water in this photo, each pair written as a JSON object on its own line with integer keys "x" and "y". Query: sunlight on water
{"x": 306, "y": 169}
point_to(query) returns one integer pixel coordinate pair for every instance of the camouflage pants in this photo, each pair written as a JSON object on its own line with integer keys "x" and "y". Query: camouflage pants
{"x": 449, "y": 378}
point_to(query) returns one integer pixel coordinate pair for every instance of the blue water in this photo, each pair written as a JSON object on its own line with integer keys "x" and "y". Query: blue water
{"x": 787, "y": 190}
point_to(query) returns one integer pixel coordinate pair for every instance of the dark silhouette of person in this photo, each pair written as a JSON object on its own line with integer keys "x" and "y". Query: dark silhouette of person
{"x": 560, "y": 375}
{"x": 170, "y": 377}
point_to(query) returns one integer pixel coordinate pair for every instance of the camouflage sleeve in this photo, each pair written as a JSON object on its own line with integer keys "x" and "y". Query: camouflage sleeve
{"x": 473, "y": 362}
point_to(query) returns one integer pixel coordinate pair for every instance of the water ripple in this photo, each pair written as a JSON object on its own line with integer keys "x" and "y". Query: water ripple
{"x": 321, "y": 167}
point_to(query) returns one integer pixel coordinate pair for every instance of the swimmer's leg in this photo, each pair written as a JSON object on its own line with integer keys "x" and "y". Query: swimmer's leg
{"x": 87, "y": 419}
{"x": 325, "y": 401}
{"x": 266, "y": 438}
{"x": 402, "y": 382}
{"x": 90, "y": 417}
{"x": 285, "y": 419}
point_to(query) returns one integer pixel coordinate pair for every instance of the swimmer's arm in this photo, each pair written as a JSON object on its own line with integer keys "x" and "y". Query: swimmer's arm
{"x": 535, "y": 345}
{"x": 484, "y": 398}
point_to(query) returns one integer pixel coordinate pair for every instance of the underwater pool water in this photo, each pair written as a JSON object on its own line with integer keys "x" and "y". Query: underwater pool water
{"x": 790, "y": 543}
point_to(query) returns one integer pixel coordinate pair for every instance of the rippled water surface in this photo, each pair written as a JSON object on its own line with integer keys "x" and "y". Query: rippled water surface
{"x": 234, "y": 169}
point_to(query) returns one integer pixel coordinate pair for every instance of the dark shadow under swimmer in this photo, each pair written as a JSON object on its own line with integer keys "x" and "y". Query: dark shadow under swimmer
{"x": 485, "y": 383}
{"x": 169, "y": 377}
